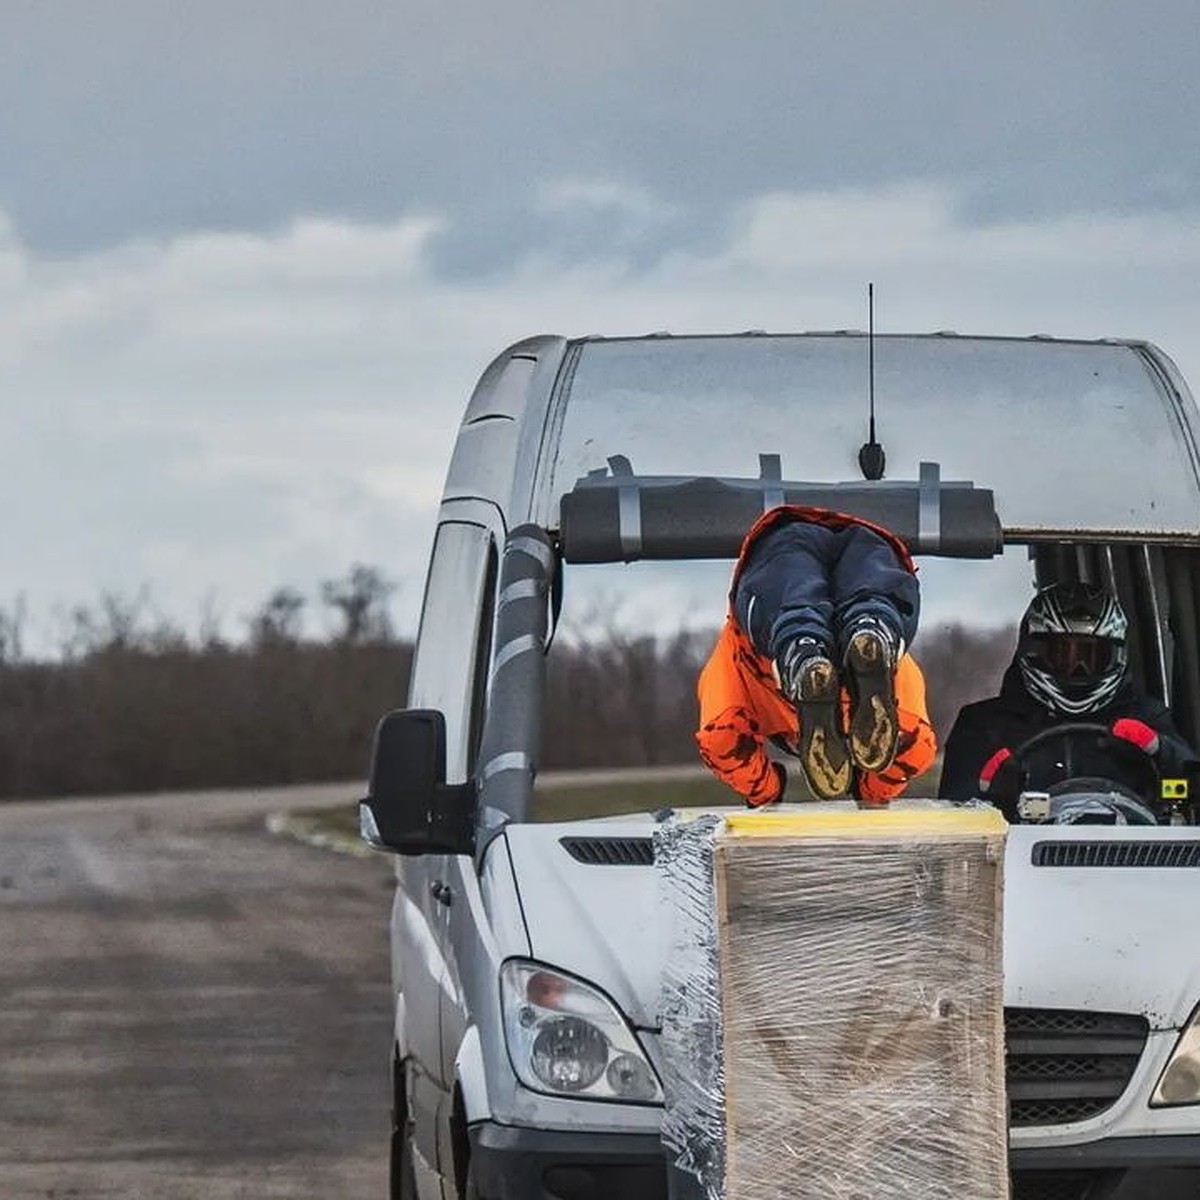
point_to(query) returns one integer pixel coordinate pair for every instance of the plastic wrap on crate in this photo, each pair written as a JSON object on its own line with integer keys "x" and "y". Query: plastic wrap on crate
{"x": 693, "y": 1128}
{"x": 836, "y": 1031}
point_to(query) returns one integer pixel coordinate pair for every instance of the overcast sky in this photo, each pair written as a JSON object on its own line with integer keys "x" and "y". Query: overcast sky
{"x": 254, "y": 255}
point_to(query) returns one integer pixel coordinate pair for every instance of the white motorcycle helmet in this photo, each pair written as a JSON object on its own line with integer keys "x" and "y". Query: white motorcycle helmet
{"x": 1072, "y": 652}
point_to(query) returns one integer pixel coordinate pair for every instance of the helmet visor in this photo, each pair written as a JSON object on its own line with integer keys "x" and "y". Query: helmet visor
{"x": 1071, "y": 656}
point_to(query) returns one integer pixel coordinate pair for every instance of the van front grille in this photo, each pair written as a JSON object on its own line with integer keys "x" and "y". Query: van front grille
{"x": 1065, "y": 1065}
{"x": 610, "y": 851}
{"x": 1146, "y": 853}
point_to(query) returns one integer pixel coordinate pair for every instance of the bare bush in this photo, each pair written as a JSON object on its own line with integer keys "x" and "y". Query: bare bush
{"x": 617, "y": 699}
{"x": 961, "y": 665}
{"x": 134, "y": 705}
{"x": 279, "y": 621}
{"x": 360, "y": 600}
{"x": 12, "y": 632}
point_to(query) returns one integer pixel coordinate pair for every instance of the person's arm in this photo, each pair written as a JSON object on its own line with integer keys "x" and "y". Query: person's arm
{"x": 917, "y": 746}
{"x": 1176, "y": 757}
{"x": 960, "y": 770}
{"x": 730, "y": 737}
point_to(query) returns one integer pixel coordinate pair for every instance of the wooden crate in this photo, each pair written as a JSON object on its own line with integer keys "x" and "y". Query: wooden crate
{"x": 861, "y": 992}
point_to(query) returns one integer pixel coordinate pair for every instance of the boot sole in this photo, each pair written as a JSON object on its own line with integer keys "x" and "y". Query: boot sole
{"x": 823, "y": 752}
{"x": 874, "y": 723}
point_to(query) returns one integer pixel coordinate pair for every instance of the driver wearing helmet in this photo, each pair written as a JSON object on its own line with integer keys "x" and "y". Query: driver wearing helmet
{"x": 1071, "y": 665}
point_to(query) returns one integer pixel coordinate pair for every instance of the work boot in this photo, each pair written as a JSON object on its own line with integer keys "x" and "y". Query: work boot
{"x": 872, "y": 651}
{"x": 810, "y": 680}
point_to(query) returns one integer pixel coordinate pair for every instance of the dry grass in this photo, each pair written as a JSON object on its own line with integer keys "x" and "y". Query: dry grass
{"x": 578, "y": 801}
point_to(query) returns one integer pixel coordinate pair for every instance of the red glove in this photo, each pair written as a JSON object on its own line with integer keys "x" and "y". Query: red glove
{"x": 1138, "y": 732}
{"x": 988, "y": 771}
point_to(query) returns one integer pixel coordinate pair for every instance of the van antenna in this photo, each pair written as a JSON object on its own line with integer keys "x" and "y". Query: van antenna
{"x": 871, "y": 458}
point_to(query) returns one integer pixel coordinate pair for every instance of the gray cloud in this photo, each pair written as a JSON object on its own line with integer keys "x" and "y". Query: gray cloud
{"x": 219, "y": 414}
{"x": 145, "y": 117}
{"x": 259, "y": 253}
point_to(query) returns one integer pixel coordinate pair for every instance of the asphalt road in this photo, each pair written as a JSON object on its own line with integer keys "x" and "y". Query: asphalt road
{"x": 190, "y": 1006}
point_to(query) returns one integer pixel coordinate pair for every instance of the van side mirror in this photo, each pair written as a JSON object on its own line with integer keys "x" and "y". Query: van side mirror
{"x": 409, "y": 808}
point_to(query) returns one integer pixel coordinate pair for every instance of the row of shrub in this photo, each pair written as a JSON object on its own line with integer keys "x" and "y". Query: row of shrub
{"x": 150, "y": 713}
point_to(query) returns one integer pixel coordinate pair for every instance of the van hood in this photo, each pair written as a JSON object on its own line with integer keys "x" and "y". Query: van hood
{"x": 593, "y": 906}
{"x": 1103, "y": 918}
{"x": 1097, "y": 921}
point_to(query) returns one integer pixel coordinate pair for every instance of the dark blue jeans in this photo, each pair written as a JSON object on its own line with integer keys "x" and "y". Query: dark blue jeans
{"x": 807, "y": 580}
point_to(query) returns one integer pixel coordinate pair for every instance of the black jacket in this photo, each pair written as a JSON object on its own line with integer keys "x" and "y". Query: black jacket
{"x": 1014, "y": 716}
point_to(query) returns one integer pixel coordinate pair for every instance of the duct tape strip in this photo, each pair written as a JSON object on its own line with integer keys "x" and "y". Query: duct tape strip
{"x": 522, "y": 589}
{"x": 929, "y": 509}
{"x": 518, "y": 645}
{"x": 770, "y": 471}
{"x": 511, "y": 760}
{"x": 534, "y": 548}
{"x": 629, "y": 519}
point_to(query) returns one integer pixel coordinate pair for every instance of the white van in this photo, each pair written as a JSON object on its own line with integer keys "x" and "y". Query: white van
{"x": 610, "y": 480}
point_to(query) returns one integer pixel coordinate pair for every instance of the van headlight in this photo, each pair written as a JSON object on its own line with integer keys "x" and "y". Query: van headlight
{"x": 1180, "y": 1081}
{"x": 568, "y": 1038}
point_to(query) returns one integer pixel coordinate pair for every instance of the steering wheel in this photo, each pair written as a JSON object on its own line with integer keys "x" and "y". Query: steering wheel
{"x": 1074, "y": 741}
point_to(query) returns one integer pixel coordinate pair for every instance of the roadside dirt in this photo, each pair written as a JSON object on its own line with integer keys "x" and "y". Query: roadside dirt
{"x": 189, "y": 1006}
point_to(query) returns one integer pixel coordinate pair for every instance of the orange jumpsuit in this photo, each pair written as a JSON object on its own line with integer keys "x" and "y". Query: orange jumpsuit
{"x": 741, "y": 705}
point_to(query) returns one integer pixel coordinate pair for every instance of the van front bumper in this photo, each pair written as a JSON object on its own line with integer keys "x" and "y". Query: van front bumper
{"x": 516, "y": 1163}
{"x": 1129, "y": 1168}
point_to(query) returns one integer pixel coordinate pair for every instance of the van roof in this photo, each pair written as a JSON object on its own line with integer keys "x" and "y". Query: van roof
{"x": 1083, "y": 439}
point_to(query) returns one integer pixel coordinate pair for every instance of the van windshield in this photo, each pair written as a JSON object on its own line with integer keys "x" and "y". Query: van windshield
{"x": 621, "y": 705}
{"x": 1047, "y": 425}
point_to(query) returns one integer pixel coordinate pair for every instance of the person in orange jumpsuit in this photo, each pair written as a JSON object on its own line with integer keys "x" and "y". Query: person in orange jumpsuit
{"x": 813, "y": 657}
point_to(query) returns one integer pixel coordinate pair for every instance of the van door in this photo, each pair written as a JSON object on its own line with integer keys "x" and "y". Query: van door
{"x": 448, "y": 674}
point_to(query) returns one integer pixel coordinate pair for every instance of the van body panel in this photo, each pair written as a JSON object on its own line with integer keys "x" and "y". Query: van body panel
{"x": 427, "y": 1178}
{"x": 505, "y": 390}
{"x": 418, "y": 965}
{"x": 593, "y": 921}
{"x": 470, "y": 1079}
{"x": 448, "y": 643}
{"x": 487, "y": 927}
{"x": 482, "y": 463}
{"x": 539, "y": 1110}
{"x": 1091, "y": 923}
{"x": 424, "y": 1097}
{"x": 501, "y": 902}
{"x": 501, "y": 439}
{"x": 473, "y": 510}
